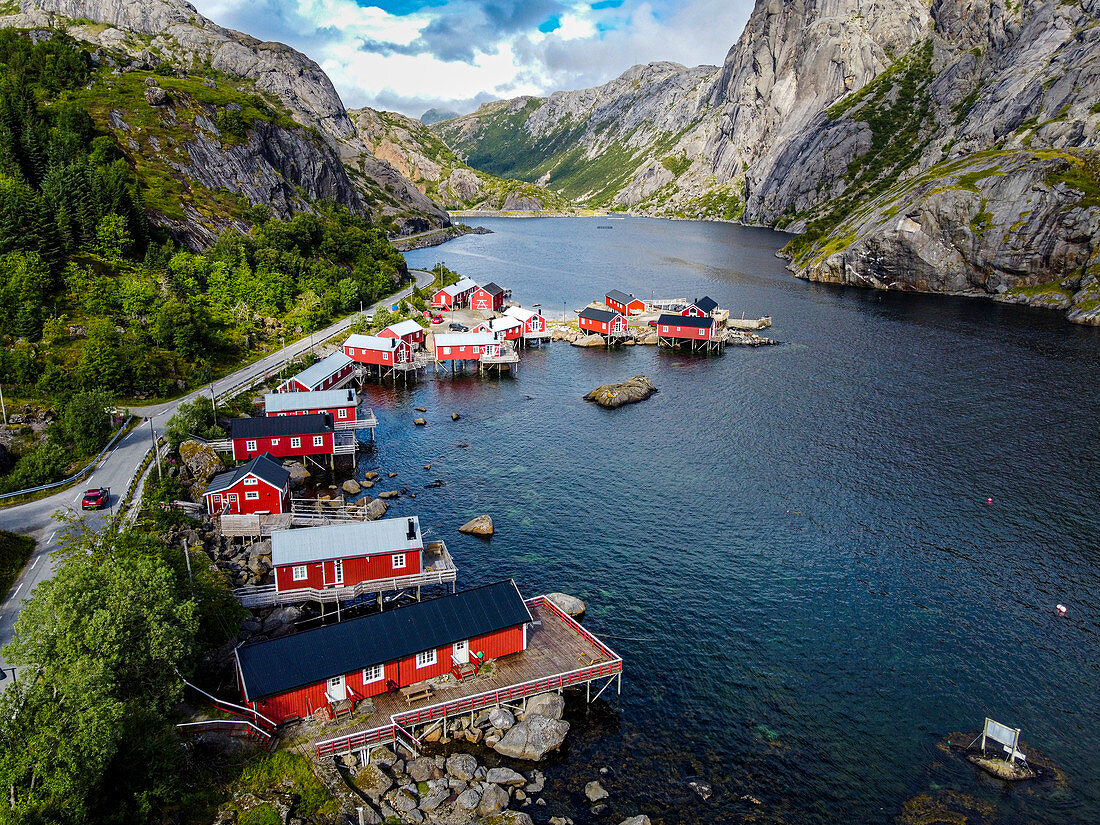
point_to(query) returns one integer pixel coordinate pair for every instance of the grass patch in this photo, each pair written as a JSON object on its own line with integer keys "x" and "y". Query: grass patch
{"x": 276, "y": 770}
{"x": 15, "y": 552}
{"x": 1079, "y": 171}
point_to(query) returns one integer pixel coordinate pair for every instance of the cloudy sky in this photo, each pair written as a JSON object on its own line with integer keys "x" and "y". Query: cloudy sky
{"x": 412, "y": 55}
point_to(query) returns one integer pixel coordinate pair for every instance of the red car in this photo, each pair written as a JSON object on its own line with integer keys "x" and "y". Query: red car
{"x": 653, "y": 322}
{"x": 96, "y": 499}
{"x": 437, "y": 319}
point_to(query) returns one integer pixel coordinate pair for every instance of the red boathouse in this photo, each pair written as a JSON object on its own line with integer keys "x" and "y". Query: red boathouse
{"x": 409, "y": 331}
{"x": 327, "y": 374}
{"x": 701, "y": 308}
{"x": 283, "y": 436}
{"x": 506, "y": 328}
{"x": 607, "y": 323}
{"x": 260, "y": 486}
{"x": 378, "y": 351}
{"x": 453, "y": 296}
{"x": 488, "y": 298}
{"x": 293, "y": 676}
{"x": 340, "y": 404}
{"x": 344, "y": 555}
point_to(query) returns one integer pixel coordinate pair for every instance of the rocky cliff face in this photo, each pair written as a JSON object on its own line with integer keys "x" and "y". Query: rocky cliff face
{"x": 943, "y": 147}
{"x": 420, "y": 156}
{"x": 152, "y": 30}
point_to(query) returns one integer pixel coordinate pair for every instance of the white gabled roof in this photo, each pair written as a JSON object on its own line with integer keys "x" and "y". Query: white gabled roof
{"x": 465, "y": 285}
{"x": 339, "y": 541}
{"x": 320, "y": 400}
{"x": 464, "y": 339}
{"x": 358, "y": 341}
{"x": 403, "y": 328}
{"x": 504, "y": 324}
{"x": 521, "y": 313}
{"x": 322, "y": 369}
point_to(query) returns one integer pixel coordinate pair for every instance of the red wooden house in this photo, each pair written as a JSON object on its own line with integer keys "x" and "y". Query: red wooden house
{"x": 464, "y": 346}
{"x": 601, "y": 321}
{"x": 293, "y": 676}
{"x": 340, "y": 404}
{"x": 260, "y": 486}
{"x": 409, "y": 331}
{"x": 282, "y": 436}
{"x": 506, "y": 328}
{"x": 379, "y": 351}
{"x": 327, "y": 374}
{"x": 685, "y": 328}
{"x": 701, "y": 307}
{"x": 453, "y": 296}
{"x": 344, "y": 555}
{"x": 533, "y": 322}
{"x": 488, "y": 298}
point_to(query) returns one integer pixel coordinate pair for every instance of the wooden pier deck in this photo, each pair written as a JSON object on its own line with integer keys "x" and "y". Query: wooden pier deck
{"x": 560, "y": 653}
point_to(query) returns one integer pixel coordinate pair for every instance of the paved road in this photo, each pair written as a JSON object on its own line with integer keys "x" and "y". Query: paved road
{"x": 36, "y": 518}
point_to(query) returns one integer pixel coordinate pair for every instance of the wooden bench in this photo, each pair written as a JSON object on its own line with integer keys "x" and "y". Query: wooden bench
{"x": 414, "y": 693}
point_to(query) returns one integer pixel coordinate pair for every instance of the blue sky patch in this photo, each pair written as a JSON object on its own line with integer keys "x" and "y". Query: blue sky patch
{"x": 549, "y": 24}
{"x": 606, "y": 4}
{"x": 400, "y": 8}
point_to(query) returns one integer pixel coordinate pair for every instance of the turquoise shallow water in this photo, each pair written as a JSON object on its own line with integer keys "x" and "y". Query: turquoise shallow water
{"x": 791, "y": 547}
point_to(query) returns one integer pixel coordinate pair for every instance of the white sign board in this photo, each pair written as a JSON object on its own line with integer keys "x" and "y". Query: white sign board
{"x": 1009, "y": 737}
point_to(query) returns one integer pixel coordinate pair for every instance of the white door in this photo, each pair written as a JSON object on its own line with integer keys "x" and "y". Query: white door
{"x": 461, "y": 651}
{"x": 337, "y": 691}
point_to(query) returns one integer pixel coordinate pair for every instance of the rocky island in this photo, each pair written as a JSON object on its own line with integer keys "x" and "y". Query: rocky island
{"x": 631, "y": 391}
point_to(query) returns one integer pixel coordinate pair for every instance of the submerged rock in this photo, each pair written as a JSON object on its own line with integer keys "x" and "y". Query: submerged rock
{"x": 636, "y": 389}
{"x": 532, "y": 738}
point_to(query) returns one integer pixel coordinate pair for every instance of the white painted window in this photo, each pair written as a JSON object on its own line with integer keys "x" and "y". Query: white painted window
{"x": 342, "y": 412}
{"x": 664, "y": 329}
{"x": 275, "y": 442}
{"x": 425, "y": 658}
{"x": 385, "y": 356}
{"x": 677, "y": 329}
{"x": 295, "y": 443}
{"x": 338, "y": 571}
{"x": 299, "y": 573}
{"x": 250, "y": 445}
{"x": 398, "y": 561}
{"x": 252, "y": 495}
{"x": 250, "y": 482}
{"x": 374, "y": 673}
{"x": 446, "y": 350}
{"x": 318, "y": 440}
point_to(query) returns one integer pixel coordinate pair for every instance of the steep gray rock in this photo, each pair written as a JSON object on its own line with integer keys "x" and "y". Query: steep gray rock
{"x": 175, "y": 30}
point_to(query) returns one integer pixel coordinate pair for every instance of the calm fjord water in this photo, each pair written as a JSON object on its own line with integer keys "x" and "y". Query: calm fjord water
{"x": 791, "y": 547}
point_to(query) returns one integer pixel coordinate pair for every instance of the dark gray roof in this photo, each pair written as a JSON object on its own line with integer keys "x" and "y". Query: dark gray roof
{"x": 262, "y": 466}
{"x": 685, "y": 321}
{"x": 279, "y": 665}
{"x": 493, "y": 289}
{"x": 266, "y": 427}
{"x": 706, "y": 303}
{"x": 621, "y": 297}
{"x": 594, "y": 314}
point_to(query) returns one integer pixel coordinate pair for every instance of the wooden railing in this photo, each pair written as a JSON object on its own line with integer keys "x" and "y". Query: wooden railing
{"x": 249, "y": 729}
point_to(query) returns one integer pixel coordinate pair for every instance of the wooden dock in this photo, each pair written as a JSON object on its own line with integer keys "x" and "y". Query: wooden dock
{"x": 560, "y": 653}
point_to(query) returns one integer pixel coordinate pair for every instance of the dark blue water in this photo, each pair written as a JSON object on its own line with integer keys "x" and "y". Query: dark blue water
{"x": 791, "y": 547}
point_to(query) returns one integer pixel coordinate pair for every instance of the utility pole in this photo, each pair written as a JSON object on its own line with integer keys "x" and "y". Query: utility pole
{"x": 187, "y": 556}
{"x": 2, "y": 407}
{"x": 213, "y": 402}
{"x": 156, "y": 450}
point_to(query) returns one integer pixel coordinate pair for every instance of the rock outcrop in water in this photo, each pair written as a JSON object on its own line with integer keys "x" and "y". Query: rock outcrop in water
{"x": 943, "y": 147}
{"x": 631, "y": 391}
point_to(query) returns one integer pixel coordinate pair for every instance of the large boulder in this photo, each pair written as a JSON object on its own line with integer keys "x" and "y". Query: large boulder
{"x": 376, "y": 509}
{"x": 547, "y": 705}
{"x": 373, "y": 782}
{"x": 589, "y": 341}
{"x": 480, "y": 526}
{"x": 461, "y": 766}
{"x": 533, "y": 738}
{"x": 501, "y": 718}
{"x": 202, "y": 460}
{"x": 595, "y": 791}
{"x": 640, "y": 819}
{"x": 631, "y": 391}
{"x": 421, "y": 769}
{"x": 505, "y": 776}
{"x": 570, "y": 605}
{"x": 493, "y": 801}
{"x": 299, "y": 475}
{"x": 506, "y": 818}
{"x": 351, "y": 487}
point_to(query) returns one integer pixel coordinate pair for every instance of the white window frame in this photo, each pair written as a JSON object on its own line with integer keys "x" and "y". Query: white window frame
{"x": 295, "y": 443}
{"x": 677, "y": 329}
{"x": 250, "y": 445}
{"x": 374, "y": 673}
{"x": 318, "y": 441}
{"x": 446, "y": 350}
{"x": 425, "y": 658}
{"x": 342, "y": 412}
{"x": 338, "y": 571}
{"x": 250, "y": 482}
{"x": 275, "y": 441}
{"x": 299, "y": 573}
{"x": 399, "y": 561}
{"x": 251, "y": 495}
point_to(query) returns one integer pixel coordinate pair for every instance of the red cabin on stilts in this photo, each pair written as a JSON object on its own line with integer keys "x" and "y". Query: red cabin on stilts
{"x": 488, "y": 298}
{"x": 289, "y": 436}
{"x": 260, "y": 486}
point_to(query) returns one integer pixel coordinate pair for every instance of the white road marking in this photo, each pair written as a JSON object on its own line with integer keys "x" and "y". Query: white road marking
{"x": 34, "y": 563}
{"x": 20, "y": 587}
{"x": 52, "y": 537}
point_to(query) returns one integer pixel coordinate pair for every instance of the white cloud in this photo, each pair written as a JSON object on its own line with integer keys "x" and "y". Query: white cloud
{"x": 464, "y": 52}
